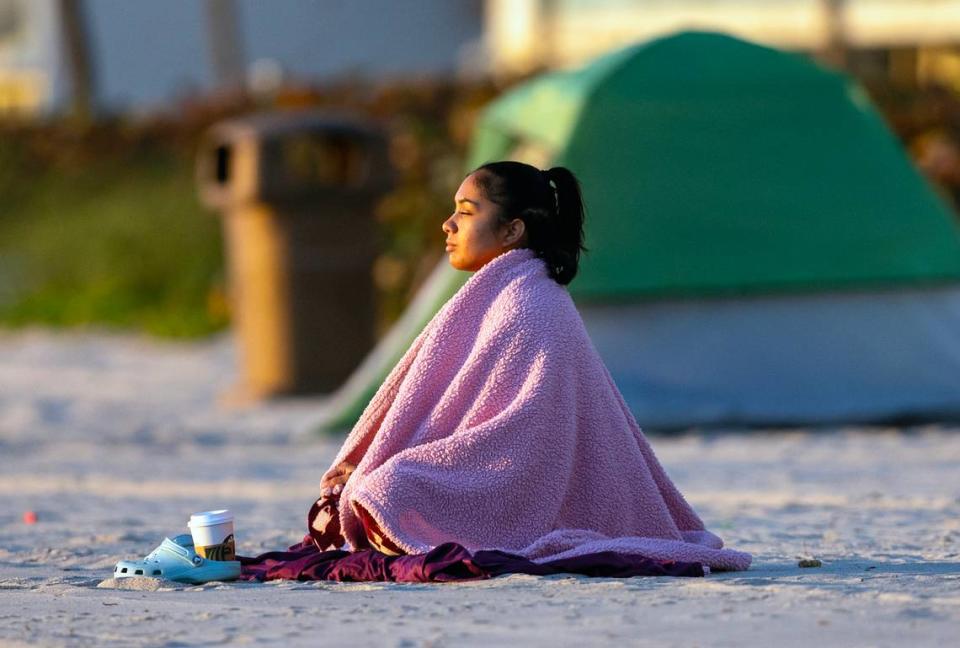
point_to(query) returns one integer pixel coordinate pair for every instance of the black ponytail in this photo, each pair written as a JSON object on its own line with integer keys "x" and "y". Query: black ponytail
{"x": 550, "y": 205}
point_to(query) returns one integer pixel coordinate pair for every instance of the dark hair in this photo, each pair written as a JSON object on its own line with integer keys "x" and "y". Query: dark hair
{"x": 553, "y": 218}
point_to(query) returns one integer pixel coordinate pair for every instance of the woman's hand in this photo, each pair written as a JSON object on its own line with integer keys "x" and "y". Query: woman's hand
{"x": 334, "y": 479}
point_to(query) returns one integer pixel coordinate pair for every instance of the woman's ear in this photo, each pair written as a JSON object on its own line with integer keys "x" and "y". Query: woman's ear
{"x": 513, "y": 231}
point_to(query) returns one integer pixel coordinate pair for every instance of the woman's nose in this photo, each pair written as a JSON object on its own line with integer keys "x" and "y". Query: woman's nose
{"x": 447, "y": 226}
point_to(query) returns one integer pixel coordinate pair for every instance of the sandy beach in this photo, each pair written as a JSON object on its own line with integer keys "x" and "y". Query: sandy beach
{"x": 113, "y": 440}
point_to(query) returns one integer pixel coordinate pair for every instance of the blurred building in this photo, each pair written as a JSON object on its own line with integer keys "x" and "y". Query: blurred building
{"x": 912, "y": 41}
{"x": 142, "y": 53}
{"x": 25, "y": 61}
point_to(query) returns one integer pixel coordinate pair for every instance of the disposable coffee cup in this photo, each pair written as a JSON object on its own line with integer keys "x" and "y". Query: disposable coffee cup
{"x": 212, "y": 533}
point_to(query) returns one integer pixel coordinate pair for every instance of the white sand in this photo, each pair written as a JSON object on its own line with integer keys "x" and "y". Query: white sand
{"x": 113, "y": 441}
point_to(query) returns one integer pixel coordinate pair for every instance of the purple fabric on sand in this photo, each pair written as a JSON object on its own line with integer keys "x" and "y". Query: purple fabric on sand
{"x": 445, "y": 562}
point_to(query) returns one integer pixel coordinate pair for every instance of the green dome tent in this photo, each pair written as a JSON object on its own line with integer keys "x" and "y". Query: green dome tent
{"x": 761, "y": 249}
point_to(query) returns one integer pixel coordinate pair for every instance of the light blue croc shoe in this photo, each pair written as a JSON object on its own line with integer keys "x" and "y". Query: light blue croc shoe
{"x": 177, "y": 561}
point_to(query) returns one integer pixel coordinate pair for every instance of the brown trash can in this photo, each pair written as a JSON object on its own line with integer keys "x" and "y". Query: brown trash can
{"x": 297, "y": 191}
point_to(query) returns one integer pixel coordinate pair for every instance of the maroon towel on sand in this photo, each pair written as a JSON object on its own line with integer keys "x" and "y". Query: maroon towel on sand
{"x": 445, "y": 562}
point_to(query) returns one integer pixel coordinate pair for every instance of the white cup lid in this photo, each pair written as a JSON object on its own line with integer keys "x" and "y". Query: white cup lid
{"x": 210, "y": 518}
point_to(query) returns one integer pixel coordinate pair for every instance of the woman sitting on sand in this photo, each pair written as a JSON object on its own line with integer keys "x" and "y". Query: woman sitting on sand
{"x": 501, "y": 428}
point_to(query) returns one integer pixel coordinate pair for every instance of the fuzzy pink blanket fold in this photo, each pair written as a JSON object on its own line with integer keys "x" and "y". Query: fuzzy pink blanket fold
{"x": 501, "y": 428}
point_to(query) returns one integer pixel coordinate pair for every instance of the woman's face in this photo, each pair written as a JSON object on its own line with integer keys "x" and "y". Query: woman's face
{"x": 473, "y": 234}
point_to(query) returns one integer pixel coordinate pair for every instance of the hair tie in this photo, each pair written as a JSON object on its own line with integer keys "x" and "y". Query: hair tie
{"x": 545, "y": 174}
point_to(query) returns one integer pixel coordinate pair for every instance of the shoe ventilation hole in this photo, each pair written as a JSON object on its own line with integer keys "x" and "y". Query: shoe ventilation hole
{"x": 156, "y": 572}
{"x": 139, "y": 572}
{"x": 123, "y": 571}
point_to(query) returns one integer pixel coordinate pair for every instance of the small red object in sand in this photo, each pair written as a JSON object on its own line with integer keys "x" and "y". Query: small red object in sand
{"x": 29, "y": 517}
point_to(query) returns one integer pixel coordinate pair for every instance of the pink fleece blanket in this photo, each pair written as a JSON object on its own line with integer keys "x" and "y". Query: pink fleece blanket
{"x": 501, "y": 428}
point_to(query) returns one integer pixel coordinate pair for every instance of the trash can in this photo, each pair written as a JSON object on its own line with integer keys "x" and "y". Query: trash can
{"x": 296, "y": 192}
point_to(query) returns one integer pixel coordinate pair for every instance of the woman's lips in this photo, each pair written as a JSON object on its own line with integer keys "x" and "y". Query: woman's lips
{"x": 450, "y": 246}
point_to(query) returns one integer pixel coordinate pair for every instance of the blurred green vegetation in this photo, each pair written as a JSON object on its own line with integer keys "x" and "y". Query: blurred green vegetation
{"x": 117, "y": 239}
{"x": 103, "y": 225}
